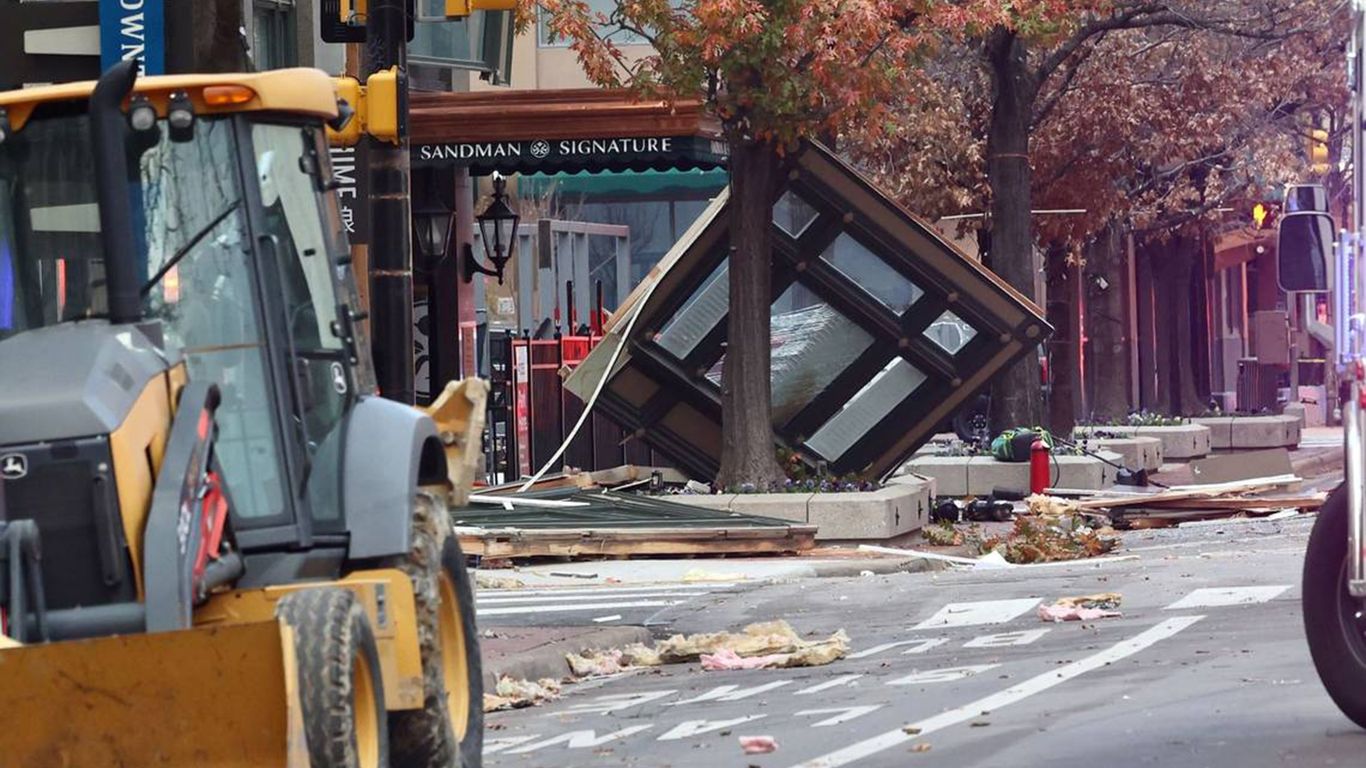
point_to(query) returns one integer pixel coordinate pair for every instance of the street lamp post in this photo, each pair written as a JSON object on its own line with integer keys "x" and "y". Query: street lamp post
{"x": 498, "y": 231}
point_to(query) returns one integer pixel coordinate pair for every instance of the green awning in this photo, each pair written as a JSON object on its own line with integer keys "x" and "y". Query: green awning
{"x": 627, "y": 184}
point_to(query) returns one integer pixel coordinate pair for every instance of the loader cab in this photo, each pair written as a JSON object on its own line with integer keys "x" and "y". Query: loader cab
{"x": 241, "y": 264}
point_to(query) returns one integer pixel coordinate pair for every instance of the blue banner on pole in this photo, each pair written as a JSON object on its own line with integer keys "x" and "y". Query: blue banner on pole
{"x": 133, "y": 29}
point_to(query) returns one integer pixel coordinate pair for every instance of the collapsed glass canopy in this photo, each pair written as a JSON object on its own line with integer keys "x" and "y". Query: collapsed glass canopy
{"x": 880, "y": 330}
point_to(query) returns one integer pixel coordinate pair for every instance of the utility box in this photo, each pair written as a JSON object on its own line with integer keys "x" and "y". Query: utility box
{"x": 1271, "y": 337}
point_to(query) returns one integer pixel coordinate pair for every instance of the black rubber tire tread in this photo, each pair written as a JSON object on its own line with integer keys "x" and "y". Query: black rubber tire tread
{"x": 1341, "y": 663}
{"x": 330, "y": 630}
{"x": 424, "y": 738}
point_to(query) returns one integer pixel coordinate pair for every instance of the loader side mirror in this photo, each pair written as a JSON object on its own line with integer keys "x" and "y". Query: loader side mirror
{"x": 1304, "y": 246}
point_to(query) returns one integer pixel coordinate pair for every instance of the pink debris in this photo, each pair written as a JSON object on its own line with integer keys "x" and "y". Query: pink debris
{"x": 1062, "y": 612}
{"x": 758, "y": 745}
{"x": 726, "y": 659}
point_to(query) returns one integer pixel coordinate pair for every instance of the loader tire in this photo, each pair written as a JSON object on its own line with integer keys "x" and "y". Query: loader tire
{"x": 341, "y": 688}
{"x": 448, "y": 732}
{"x": 1337, "y": 636}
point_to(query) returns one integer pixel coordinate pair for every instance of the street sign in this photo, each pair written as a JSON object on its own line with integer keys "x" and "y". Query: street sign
{"x": 133, "y": 29}
{"x": 348, "y": 168}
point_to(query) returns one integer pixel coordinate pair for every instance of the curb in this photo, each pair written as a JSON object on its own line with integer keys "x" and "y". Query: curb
{"x": 547, "y": 659}
{"x": 879, "y": 567}
{"x": 1321, "y": 463}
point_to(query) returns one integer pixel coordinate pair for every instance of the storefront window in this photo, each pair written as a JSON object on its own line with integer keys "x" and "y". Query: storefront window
{"x": 273, "y": 22}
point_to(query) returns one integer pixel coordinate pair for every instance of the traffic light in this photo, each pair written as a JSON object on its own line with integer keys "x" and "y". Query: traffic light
{"x": 1318, "y": 151}
{"x": 377, "y": 108}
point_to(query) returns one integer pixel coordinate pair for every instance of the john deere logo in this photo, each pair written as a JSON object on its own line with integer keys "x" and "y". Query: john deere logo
{"x": 13, "y": 466}
{"x": 540, "y": 148}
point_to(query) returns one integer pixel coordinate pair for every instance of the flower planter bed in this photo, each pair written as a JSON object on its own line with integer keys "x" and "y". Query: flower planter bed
{"x": 1237, "y": 433}
{"x": 981, "y": 475}
{"x": 1180, "y": 442}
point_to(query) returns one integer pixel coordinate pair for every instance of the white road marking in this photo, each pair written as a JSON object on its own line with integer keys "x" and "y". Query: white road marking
{"x": 604, "y": 595}
{"x": 571, "y": 608}
{"x": 862, "y": 750}
{"x": 828, "y": 684}
{"x": 946, "y": 675}
{"x": 1218, "y": 597}
{"x": 731, "y": 693}
{"x": 600, "y": 590}
{"x": 841, "y": 714}
{"x": 1004, "y": 639}
{"x": 606, "y": 705}
{"x": 980, "y": 612}
{"x": 919, "y": 646}
{"x": 580, "y": 739}
{"x": 698, "y": 727}
{"x": 603, "y": 619}
{"x": 497, "y": 745}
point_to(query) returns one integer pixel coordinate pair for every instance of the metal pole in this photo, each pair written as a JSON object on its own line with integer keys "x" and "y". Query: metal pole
{"x": 391, "y": 261}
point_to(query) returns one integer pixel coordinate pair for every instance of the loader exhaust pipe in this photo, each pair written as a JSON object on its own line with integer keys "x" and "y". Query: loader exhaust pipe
{"x": 109, "y": 132}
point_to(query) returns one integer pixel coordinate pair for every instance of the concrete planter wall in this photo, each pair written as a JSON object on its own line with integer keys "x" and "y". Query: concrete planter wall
{"x": 1233, "y": 433}
{"x": 899, "y": 508}
{"x": 981, "y": 475}
{"x": 1138, "y": 452}
{"x": 1180, "y": 442}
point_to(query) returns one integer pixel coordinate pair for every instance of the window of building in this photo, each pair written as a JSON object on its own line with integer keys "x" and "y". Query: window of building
{"x": 274, "y": 25}
{"x": 546, "y": 38}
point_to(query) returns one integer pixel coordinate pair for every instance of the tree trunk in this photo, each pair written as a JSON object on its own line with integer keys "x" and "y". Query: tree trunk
{"x": 1107, "y": 353}
{"x": 1016, "y": 397}
{"x": 1062, "y": 347}
{"x": 747, "y": 452}
{"x": 1185, "y": 398}
{"x": 212, "y": 29}
{"x": 1147, "y": 336}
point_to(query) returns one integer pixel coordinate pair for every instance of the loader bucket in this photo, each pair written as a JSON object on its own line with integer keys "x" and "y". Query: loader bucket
{"x": 223, "y": 697}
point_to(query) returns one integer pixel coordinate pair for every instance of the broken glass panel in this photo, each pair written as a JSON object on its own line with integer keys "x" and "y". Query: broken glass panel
{"x": 870, "y": 405}
{"x": 698, "y": 316}
{"x": 872, "y": 274}
{"x": 792, "y": 214}
{"x": 950, "y": 332}
{"x": 812, "y": 344}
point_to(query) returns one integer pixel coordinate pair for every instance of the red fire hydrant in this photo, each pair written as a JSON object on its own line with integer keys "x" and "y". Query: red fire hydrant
{"x": 1038, "y": 467}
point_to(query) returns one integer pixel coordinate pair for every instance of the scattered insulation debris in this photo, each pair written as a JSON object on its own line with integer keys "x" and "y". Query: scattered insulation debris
{"x": 490, "y": 581}
{"x": 758, "y": 745}
{"x": 765, "y": 638}
{"x": 1082, "y": 608}
{"x": 518, "y": 694}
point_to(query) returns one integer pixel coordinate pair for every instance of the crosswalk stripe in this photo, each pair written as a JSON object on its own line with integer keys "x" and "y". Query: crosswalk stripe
{"x": 1219, "y": 597}
{"x": 579, "y": 598}
{"x": 976, "y": 613}
{"x": 539, "y": 608}
{"x": 607, "y": 588}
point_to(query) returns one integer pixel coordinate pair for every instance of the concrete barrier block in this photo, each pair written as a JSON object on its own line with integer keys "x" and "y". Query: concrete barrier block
{"x": 720, "y": 501}
{"x": 882, "y": 514}
{"x": 1232, "y": 433}
{"x": 950, "y": 473}
{"x": 1136, "y": 452}
{"x": 1180, "y": 442}
{"x": 784, "y": 506}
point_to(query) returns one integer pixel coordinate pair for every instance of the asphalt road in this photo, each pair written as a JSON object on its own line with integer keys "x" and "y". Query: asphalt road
{"x": 1207, "y": 667}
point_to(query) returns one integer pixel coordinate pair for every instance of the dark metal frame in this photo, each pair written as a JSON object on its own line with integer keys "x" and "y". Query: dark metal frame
{"x": 1007, "y": 325}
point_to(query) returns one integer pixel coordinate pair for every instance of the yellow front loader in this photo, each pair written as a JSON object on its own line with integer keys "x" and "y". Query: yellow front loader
{"x": 218, "y": 545}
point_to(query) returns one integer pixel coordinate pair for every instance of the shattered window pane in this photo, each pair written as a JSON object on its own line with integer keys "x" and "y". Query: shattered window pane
{"x": 698, "y": 316}
{"x": 950, "y": 332}
{"x": 792, "y": 214}
{"x": 811, "y": 344}
{"x": 888, "y": 389}
{"x": 872, "y": 274}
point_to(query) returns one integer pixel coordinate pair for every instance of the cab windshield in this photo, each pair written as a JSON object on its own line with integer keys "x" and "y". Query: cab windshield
{"x": 212, "y": 272}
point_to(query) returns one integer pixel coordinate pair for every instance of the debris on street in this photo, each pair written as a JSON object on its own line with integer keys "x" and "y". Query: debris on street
{"x": 519, "y": 694}
{"x": 1146, "y": 508}
{"x": 765, "y": 638}
{"x": 1083, "y": 608}
{"x": 758, "y": 745}
{"x": 490, "y": 581}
